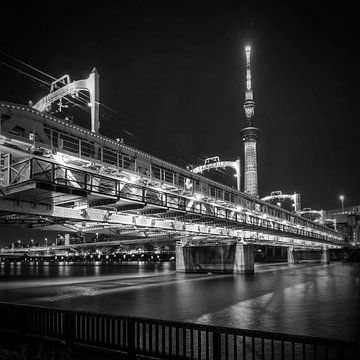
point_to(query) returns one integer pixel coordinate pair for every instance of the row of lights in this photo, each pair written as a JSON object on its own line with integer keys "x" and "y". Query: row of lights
{"x": 54, "y": 119}
{"x": 341, "y": 197}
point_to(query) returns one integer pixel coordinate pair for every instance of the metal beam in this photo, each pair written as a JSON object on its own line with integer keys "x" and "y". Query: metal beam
{"x": 137, "y": 221}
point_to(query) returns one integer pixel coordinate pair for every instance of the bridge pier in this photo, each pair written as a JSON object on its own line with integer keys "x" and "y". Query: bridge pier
{"x": 267, "y": 253}
{"x": 195, "y": 257}
{"x": 325, "y": 256}
{"x": 296, "y": 256}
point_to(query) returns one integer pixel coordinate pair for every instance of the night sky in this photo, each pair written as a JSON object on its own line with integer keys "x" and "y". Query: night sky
{"x": 173, "y": 75}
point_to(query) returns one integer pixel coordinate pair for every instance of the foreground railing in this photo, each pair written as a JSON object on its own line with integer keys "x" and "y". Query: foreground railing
{"x": 167, "y": 339}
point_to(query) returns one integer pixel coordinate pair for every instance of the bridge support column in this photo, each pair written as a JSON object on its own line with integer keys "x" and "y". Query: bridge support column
{"x": 325, "y": 256}
{"x": 244, "y": 259}
{"x": 67, "y": 239}
{"x": 218, "y": 258}
{"x": 296, "y": 256}
{"x": 290, "y": 255}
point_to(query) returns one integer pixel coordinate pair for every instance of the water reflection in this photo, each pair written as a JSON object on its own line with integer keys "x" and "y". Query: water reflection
{"x": 313, "y": 300}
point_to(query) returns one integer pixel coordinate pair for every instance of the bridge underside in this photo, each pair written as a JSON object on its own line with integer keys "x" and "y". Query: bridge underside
{"x": 204, "y": 243}
{"x": 40, "y": 205}
{"x": 211, "y": 237}
{"x": 44, "y": 194}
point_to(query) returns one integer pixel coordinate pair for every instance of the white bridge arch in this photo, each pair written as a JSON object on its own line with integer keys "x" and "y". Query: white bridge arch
{"x": 322, "y": 219}
{"x": 295, "y": 198}
{"x": 63, "y": 87}
{"x": 215, "y": 163}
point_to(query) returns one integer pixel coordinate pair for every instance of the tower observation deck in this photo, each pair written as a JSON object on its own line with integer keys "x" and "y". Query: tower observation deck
{"x": 250, "y": 135}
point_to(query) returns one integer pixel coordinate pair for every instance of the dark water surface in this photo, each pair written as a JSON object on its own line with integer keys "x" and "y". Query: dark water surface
{"x": 317, "y": 300}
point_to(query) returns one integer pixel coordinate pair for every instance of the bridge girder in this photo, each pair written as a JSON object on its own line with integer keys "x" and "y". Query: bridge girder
{"x": 77, "y": 191}
{"x": 105, "y": 218}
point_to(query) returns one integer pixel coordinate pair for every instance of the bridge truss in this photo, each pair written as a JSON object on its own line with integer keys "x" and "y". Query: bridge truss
{"x": 59, "y": 176}
{"x": 278, "y": 195}
{"x": 215, "y": 163}
{"x": 320, "y": 214}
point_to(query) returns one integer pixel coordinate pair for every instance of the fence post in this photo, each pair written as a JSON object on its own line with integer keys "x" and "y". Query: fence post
{"x": 216, "y": 345}
{"x": 130, "y": 334}
{"x": 69, "y": 326}
{"x": 340, "y": 351}
{"x": 20, "y": 320}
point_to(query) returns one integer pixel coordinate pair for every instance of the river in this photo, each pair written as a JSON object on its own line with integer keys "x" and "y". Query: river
{"x": 304, "y": 299}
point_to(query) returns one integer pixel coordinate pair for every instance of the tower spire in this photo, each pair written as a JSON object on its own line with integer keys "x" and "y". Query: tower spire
{"x": 250, "y": 134}
{"x": 249, "y": 105}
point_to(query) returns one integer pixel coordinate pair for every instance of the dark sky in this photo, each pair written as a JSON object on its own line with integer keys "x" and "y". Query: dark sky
{"x": 174, "y": 72}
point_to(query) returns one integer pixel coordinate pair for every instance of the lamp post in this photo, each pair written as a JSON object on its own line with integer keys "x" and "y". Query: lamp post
{"x": 341, "y": 198}
{"x": 32, "y": 242}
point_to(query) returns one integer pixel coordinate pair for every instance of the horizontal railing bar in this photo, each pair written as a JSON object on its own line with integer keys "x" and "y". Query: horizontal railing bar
{"x": 193, "y": 326}
{"x": 311, "y": 230}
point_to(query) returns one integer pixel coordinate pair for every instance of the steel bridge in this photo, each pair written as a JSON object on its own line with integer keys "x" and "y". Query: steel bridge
{"x": 56, "y": 175}
{"x": 59, "y": 176}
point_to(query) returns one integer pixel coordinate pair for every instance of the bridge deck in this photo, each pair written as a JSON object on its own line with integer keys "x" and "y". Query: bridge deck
{"x": 90, "y": 182}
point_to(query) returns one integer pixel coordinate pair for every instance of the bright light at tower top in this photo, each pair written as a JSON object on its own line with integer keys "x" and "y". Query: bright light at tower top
{"x": 248, "y": 52}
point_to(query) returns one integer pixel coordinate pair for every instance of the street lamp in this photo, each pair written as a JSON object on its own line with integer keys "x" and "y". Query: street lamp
{"x": 341, "y": 198}
{"x": 32, "y": 242}
{"x": 46, "y": 242}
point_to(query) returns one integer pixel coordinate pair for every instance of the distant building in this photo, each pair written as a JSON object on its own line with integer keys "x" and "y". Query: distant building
{"x": 348, "y": 223}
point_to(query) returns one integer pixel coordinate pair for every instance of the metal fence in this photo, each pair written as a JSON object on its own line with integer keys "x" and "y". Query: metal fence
{"x": 168, "y": 339}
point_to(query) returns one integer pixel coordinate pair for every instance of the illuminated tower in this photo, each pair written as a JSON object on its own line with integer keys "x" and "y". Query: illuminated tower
{"x": 249, "y": 135}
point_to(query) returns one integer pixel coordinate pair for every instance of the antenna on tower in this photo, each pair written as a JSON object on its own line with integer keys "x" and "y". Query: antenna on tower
{"x": 249, "y": 105}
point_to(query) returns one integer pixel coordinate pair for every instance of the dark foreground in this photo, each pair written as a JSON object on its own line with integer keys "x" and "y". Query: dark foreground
{"x": 29, "y": 332}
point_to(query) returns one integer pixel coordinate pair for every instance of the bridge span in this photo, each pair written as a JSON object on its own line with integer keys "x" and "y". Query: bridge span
{"x": 60, "y": 176}
{"x": 56, "y": 175}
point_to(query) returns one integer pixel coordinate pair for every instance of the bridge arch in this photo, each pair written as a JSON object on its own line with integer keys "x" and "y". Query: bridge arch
{"x": 321, "y": 219}
{"x": 215, "y": 163}
{"x": 295, "y": 198}
{"x": 62, "y": 87}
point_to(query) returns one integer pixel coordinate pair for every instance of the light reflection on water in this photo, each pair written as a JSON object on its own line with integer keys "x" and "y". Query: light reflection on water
{"x": 315, "y": 300}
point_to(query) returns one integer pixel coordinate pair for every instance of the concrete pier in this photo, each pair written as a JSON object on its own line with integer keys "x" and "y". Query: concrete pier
{"x": 325, "y": 256}
{"x": 296, "y": 256}
{"x": 218, "y": 258}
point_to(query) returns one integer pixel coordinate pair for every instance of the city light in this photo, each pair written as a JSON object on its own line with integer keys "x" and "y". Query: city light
{"x": 341, "y": 198}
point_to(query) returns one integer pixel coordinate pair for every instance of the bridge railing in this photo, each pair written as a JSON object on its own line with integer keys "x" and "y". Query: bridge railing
{"x": 350, "y": 210}
{"x": 65, "y": 138}
{"x": 162, "y": 339}
{"x": 51, "y": 173}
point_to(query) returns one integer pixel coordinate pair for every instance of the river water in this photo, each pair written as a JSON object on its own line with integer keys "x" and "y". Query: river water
{"x": 304, "y": 299}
